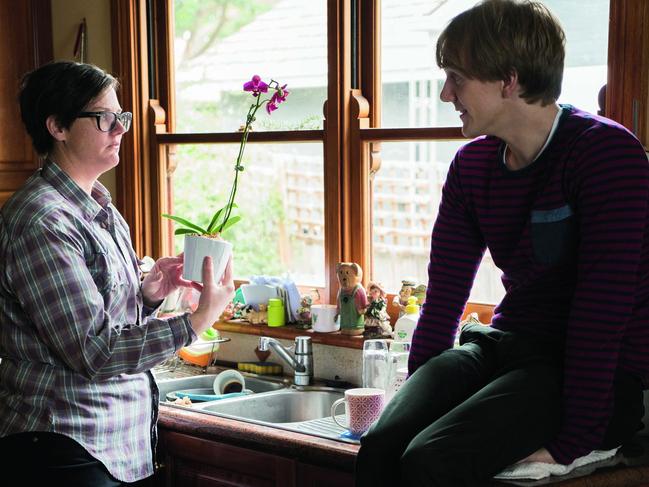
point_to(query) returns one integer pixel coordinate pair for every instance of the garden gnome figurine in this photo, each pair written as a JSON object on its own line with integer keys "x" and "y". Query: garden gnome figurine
{"x": 377, "y": 320}
{"x": 352, "y": 300}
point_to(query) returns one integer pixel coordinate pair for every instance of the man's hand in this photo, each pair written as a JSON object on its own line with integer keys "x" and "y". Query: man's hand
{"x": 214, "y": 298}
{"x": 540, "y": 456}
{"x": 164, "y": 278}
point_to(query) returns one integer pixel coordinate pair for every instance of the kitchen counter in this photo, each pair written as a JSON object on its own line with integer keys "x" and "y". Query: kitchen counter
{"x": 340, "y": 456}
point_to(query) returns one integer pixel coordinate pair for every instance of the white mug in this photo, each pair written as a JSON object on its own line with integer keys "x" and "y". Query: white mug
{"x": 364, "y": 406}
{"x": 229, "y": 381}
{"x": 323, "y": 318}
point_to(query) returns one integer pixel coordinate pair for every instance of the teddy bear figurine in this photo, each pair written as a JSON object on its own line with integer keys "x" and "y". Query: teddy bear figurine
{"x": 351, "y": 302}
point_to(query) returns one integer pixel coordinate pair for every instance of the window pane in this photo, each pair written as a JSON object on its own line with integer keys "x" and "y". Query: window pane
{"x": 412, "y": 82}
{"x": 410, "y": 77}
{"x": 406, "y": 192}
{"x": 280, "y": 198}
{"x": 586, "y": 28}
{"x": 221, "y": 44}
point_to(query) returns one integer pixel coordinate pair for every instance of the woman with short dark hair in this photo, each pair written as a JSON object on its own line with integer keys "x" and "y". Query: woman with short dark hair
{"x": 78, "y": 334}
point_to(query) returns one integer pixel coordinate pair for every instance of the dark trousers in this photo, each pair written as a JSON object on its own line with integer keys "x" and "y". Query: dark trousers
{"x": 468, "y": 413}
{"x": 50, "y": 459}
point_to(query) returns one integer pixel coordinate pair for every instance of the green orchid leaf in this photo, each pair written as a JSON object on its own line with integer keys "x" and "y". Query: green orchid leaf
{"x": 184, "y": 231}
{"x": 216, "y": 224}
{"x": 215, "y": 220}
{"x": 231, "y": 221}
{"x": 186, "y": 223}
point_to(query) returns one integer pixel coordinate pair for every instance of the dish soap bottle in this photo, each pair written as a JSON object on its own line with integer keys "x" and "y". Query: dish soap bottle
{"x": 405, "y": 326}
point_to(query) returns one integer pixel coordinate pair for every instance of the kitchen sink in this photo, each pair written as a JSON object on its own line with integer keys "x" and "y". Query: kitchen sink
{"x": 285, "y": 406}
{"x": 274, "y": 402}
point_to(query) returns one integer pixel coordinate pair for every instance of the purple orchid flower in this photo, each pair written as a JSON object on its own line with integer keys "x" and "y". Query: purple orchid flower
{"x": 281, "y": 94}
{"x": 256, "y": 85}
{"x": 271, "y": 106}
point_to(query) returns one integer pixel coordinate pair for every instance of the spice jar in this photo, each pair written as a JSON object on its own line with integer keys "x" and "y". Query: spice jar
{"x": 276, "y": 312}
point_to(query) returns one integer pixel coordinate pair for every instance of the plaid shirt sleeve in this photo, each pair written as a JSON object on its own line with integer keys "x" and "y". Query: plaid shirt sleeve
{"x": 84, "y": 305}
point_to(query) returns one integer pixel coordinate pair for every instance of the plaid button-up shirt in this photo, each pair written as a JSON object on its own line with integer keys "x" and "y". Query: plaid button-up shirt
{"x": 75, "y": 344}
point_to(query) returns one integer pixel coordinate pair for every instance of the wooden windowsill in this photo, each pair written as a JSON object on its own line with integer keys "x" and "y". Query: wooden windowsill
{"x": 337, "y": 339}
{"x": 289, "y": 332}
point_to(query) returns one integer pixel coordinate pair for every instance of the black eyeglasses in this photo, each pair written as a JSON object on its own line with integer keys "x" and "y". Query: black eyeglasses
{"x": 106, "y": 121}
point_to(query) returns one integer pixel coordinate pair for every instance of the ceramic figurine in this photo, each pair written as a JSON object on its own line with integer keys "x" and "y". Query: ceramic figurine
{"x": 352, "y": 300}
{"x": 420, "y": 294}
{"x": 401, "y": 299}
{"x": 258, "y": 317}
{"x": 228, "y": 312}
{"x": 239, "y": 311}
{"x": 304, "y": 310}
{"x": 304, "y": 313}
{"x": 377, "y": 320}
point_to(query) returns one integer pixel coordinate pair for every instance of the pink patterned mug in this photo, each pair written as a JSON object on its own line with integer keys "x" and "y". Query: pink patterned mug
{"x": 364, "y": 406}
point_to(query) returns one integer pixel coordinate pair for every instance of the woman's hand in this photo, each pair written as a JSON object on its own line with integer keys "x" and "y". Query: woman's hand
{"x": 165, "y": 277}
{"x": 540, "y": 456}
{"x": 214, "y": 298}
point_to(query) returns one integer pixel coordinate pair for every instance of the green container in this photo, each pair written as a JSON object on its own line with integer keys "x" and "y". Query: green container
{"x": 276, "y": 312}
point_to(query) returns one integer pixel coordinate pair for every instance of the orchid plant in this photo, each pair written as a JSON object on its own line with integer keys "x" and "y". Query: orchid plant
{"x": 223, "y": 218}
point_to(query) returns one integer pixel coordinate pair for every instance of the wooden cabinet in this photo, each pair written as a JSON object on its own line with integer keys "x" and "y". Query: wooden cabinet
{"x": 314, "y": 476}
{"x": 192, "y": 462}
{"x": 25, "y": 43}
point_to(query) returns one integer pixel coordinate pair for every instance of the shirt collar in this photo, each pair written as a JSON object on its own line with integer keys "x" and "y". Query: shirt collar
{"x": 89, "y": 205}
{"x": 553, "y": 129}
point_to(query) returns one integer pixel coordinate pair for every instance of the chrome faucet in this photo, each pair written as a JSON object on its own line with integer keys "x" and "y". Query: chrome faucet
{"x": 301, "y": 362}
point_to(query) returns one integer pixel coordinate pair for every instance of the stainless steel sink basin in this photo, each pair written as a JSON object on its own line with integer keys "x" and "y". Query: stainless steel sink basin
{"x": 285, "y": 406}
{"x": 301, "y": 409}
{"x": 274, "y": 403}
{"x": 203, "y": 384}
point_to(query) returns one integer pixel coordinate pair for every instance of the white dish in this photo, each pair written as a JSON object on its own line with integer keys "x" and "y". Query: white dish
{"x": 256, "y": 294}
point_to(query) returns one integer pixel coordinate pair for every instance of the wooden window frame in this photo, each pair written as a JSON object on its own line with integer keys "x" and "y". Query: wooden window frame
{"x": 351, "y": 136}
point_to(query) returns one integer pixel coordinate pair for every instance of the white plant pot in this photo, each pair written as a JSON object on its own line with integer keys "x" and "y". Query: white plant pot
{"x": 197, "y": 248}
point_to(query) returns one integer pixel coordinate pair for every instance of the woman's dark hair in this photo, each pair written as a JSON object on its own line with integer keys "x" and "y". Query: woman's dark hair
{"x": 62, "y": 89}
{"x": 496, "y": 38}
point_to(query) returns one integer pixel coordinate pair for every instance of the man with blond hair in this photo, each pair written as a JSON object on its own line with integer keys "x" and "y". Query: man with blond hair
{"x": 560, "y": 198}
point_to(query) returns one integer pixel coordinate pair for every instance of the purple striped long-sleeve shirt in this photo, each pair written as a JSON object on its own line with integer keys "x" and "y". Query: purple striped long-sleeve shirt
{"x": 570, "y": 233}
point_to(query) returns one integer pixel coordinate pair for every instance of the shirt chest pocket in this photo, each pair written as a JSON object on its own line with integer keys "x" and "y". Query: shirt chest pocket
{"x": 108, "y": 275}
{"x": 554, "y": 235}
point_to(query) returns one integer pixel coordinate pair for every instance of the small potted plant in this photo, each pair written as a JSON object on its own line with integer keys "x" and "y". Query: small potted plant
{"x": 202, "y": 241}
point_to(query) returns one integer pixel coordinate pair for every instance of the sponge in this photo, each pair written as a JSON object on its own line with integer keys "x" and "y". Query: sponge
{"x": 261, "y": 368}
